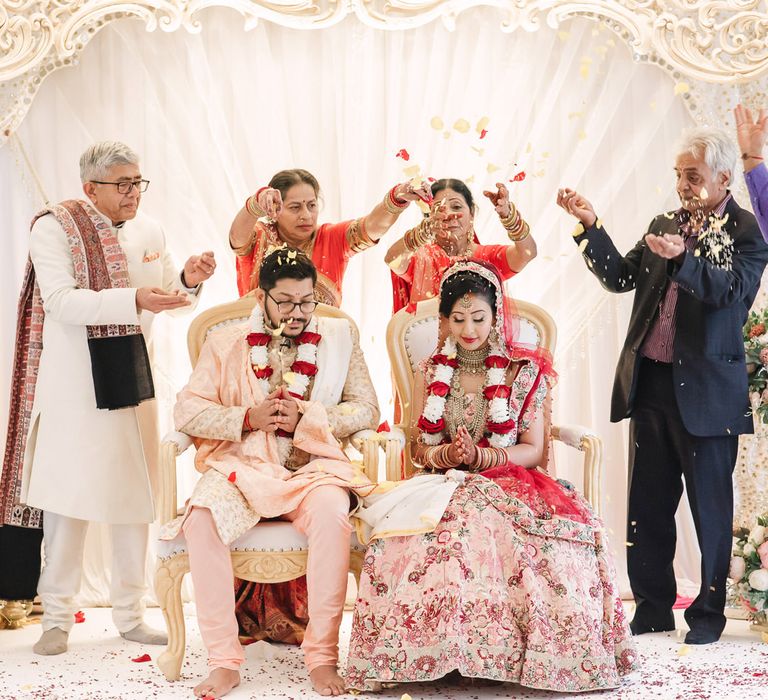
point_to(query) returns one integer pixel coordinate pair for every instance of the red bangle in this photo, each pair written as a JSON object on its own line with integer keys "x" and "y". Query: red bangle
{"x": 399, "y": 203}
{"x": 746, "y": 156}
{"x": 247, "y": 423}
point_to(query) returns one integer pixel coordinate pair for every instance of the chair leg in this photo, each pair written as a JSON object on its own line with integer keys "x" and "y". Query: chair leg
{"x": 168, "y": 577}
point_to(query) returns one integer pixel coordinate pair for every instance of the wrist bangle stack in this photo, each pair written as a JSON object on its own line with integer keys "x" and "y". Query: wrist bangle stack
{"x": 394, "y": 205}
{"x": 418, "y": 236}
{"x": 247, "y": 423}
{"x": 252, "y": 205}
{"x": 488, "y": 458}
{"x": 437, "y": 457}
{"x": 517, "y": 229}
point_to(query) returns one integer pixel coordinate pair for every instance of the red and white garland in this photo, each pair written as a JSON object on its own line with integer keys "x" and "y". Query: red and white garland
{"x": 499, "y": 425}
{"x": 303, "y": 368}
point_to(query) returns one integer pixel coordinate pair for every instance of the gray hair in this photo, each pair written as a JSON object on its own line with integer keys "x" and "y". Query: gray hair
{"x": 100, "y": 157}
{"x": 715, "y": 146}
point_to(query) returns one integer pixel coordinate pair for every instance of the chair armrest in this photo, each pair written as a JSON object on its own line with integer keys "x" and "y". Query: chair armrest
{"x": 182, "y": 441}
{"x": 173, "y": 444}
{"x": 367, "y": 443}
{"x": 394, "y": 447}
{"x": 585, "y": 440}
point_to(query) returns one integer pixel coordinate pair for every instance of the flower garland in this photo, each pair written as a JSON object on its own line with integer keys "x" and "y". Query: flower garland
{"x": 304, "y": 367}
{"x": 499, "y": 424}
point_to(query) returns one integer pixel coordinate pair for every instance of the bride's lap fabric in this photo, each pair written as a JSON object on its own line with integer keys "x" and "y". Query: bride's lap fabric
{"x": 493, "y": 592}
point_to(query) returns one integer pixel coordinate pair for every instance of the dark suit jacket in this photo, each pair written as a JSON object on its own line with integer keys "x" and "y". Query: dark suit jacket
{"x": 710, "y": 375}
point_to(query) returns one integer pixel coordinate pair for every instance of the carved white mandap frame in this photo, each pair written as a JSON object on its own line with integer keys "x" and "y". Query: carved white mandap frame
{"x": 705, "y": 41}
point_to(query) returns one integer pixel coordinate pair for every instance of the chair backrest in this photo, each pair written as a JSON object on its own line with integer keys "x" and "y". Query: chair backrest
{"x": 412, "y": 338}
{"x": 236, "y": 312}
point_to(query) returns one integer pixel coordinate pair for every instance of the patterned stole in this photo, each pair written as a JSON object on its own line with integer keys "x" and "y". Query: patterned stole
{"x": 99, "y": 263}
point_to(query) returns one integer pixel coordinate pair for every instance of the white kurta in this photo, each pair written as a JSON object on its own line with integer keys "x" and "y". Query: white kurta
{"x": 81, "y": 461}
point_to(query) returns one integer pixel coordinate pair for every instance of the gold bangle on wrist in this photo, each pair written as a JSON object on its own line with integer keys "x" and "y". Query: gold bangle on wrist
{"x": 253, "y": 208}
{"x": 392, "y": 204}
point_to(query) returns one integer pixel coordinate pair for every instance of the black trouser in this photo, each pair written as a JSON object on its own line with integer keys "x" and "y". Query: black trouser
{"x": 661, "y": 451}
{"x": 19, "y": 562}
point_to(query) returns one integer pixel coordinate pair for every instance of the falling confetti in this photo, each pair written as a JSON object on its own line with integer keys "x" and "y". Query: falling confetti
{"x": 142, "y": 659}
{"x": 477, "y": 150}
{"x": 232, "y": 478}
{"x": 446, "y": 134}
{"x": 681, "y": 88}
{"x": 462, "y": 126}
{"x": 491, "y": 168}
{"x": 586, "y": 63}
{"x": 481, "y": 125}
{"x": 483, "y": 133}
{"x": 575, "y": 115}
{"x": 79, "y": 617}
{"x": 436, "y": 123}
{"x": 412, "y": 170}
{"x": 563, "y": 36}
{"x": 519, "y": 177}
{"x": 582, "y": 135}
{"x": 402, "y": 153}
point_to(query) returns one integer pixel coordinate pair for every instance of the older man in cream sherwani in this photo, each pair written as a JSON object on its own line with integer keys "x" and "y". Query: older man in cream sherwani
{"x": 98, "y": 274}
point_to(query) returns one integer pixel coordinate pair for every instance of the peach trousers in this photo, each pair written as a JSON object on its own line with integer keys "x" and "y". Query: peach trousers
{"x": 323, "y": 516}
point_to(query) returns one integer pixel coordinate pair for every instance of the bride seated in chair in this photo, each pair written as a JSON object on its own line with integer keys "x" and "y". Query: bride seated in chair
{"x": 482, "y": 563}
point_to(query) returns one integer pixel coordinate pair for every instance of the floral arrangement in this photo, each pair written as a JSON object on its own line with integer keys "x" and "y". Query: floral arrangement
{"x": 756, "y": 349}
{"x": 749, "y": 569}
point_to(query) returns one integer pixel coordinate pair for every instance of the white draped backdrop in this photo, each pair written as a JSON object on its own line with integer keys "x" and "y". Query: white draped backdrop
{"x": 215, "y": 114}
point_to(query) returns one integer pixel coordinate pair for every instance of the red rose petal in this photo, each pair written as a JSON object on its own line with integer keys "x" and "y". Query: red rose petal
{"x": 483, "y": 133}
{"x": 519, "y": 177}
{"x": 142, "y": 659}
{"x": 402, "y": 153}
{"x": 384, "y": 428}
{"x": 232, "y": 477}
{"x": 79, "y": 617}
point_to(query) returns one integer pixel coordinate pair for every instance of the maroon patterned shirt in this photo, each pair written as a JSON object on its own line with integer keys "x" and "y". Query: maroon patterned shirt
{"x": 659, "y": 343}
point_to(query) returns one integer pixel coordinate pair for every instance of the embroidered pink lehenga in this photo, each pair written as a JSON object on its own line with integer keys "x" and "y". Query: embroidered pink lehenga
{"x": 515, "y": 583}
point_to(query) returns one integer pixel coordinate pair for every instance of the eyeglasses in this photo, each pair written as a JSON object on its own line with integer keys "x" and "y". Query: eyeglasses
{"x": 125, "y": 186}
{"x": 287, "y": 307}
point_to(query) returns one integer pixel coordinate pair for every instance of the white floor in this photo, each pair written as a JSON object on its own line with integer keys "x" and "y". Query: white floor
{"x": 98, "y": 666}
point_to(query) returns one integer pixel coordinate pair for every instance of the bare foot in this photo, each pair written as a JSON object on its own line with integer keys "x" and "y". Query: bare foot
{"x": 327, "y": 681}
{"x": 219, "y": 682}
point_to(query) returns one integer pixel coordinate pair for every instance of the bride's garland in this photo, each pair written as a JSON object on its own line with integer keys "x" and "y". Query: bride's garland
{"x": 303, "y": 368}
{"x": 499, "y": 424}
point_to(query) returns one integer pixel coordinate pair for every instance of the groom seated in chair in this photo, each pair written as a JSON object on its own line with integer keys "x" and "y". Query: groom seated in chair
{"x": 267, "y": 403}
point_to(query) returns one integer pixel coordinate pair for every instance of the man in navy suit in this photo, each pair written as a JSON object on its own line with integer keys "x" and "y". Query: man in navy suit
{"x": 681, "y": 377}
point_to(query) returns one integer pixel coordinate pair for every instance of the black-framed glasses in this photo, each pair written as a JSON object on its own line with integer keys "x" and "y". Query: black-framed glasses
{"x": 287, "y": 307}
{"x": 125, "y": 186}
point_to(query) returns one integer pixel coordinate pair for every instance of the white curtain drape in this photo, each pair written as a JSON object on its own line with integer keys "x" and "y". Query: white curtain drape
{"x": 215, "y": 114}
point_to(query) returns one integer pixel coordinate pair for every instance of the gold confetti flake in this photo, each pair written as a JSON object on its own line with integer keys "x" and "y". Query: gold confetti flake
{"x": 545, "y": 154}
{"x": 582, "y": 135}
{"x": 477, "y": 150}
{"x": 684, "y": 650}
{"x": 563, "y": 36}
{"x": 482, "y": 124}
{"x": 412, "y": 171}
{"x": 584, "y": 66}
{"x": 446, "y": 134}
{"x": 461, "y": 125}
{"x": 491, "y": 168}
{"x": 289, "y": 377}
{"x": 575, "y": 115}
{"x": 681, "y": 88}
{"x": 469, "y": 179}
{"x": 436, "y": 123}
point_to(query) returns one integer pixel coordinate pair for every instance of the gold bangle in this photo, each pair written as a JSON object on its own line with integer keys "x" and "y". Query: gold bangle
{"x": 524, "y": 233}
{"x": 392, "y": 205}
{"x": 253, "y": 208}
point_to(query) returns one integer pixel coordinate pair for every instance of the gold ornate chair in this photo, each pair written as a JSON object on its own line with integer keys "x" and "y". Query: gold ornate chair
{"x": 272, "y": 551}
{"x": 411, "y": 338}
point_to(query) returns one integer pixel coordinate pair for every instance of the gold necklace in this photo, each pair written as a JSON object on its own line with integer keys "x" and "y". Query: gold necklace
{"x": 472, "y": 361}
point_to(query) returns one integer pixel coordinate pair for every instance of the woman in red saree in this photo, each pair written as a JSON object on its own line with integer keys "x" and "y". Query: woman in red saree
{"x": 419, "y": 259}
{"x": 511, "y": 578}
{"x": 285, "y": 213}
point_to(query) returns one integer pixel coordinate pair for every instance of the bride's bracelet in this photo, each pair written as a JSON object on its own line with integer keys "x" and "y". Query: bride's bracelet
{"x": 437, "y": 457}
{"x": 418, "y": 236}
{"x": 517, "y": 228}
{"x": 488, "y": 458}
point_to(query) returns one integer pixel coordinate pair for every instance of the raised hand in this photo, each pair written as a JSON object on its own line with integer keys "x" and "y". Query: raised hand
{"x": 156, "y": 300}
{"x": 576, "y": 205}
{"x": 668, "y": 246}
{"x": 751, "y": 133}
{"x": 408, "y": 192}
{"x": 199, "y": 268}
{"x": 499, "y": 199}
{"x": 270, "y": 201}
{"x": 466, "y": 447}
